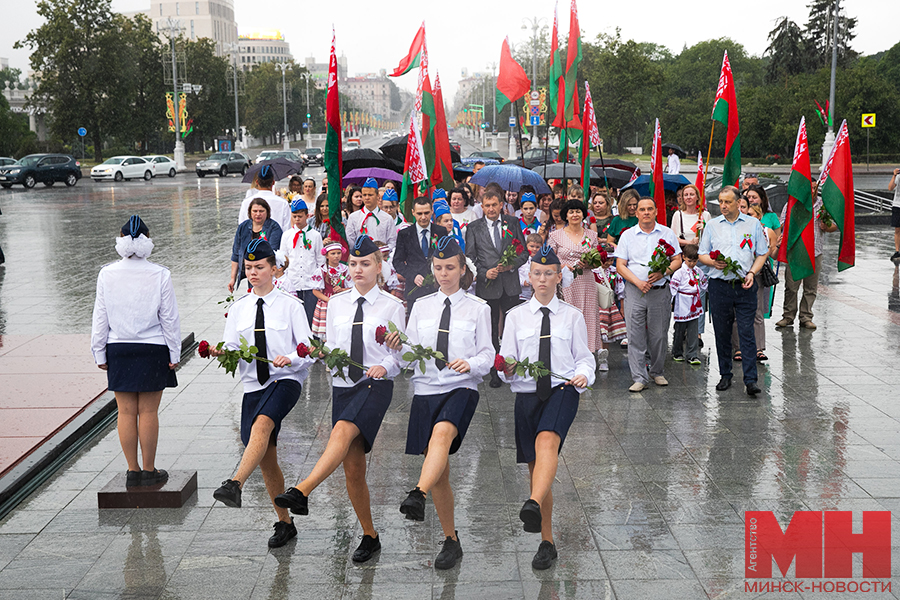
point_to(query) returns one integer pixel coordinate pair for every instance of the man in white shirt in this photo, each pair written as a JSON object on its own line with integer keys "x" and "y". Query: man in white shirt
{"x": 894, "y": 186}
{"x": 674, "y": 163}
{"x": 370, "y": 220}
{"x": 302, "y": 245}
{"x": 547, "y": 330}
{"x": 648, "y": 302}
{"x": 279, "y": 211}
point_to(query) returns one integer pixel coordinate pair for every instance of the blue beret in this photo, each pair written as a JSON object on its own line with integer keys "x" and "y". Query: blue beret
{"x": 364, "y": 247}
{"x": 370, "y": 183}
{"x": 438, "y": 193}
{"x": 528, "y": 197}
{"x": 441, "y": 208}
{"x": 447, "y": 247}
{"x": 298, "y": 205}
{"x": 390, "y": 195}
{"x": 135, "y": 227}
{"x": 258, "y": 249}
{"x": 546, "y": 256}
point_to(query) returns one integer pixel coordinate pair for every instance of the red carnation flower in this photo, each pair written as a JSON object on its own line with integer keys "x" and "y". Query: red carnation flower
{"x": 380, "y": 333}
{"x": 499, "y": 363}
{"x": 715, "y": 255}
{"x": 670, "y": 251}
{"x": 302, "y": 350}
{"x": 203, "y": 349}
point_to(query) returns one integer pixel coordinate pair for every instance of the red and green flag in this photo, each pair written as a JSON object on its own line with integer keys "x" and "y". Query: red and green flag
{"x": 590, "y": 139}
{"x": 512, "y": 81}
{"x": 836, "y": 185}
{"x": 700, "y": 182}
{"x": 415, "y": 55}
{"x": 798, "y": 245}
{"x": 725, "y": 112}
{"x": 333, "y": 148}
{"x": 414, "y": 170}
{"x": 443, "y": 167}
{"x": 555, "y": 67}
{"x": 429, "y": 119}
{"x": 657, "y": 184}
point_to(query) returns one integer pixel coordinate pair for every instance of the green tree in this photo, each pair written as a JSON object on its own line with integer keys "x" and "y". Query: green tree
{"x": 211, "y": 110}
{"x": 143, "y": 118}
{"x": 820, "y": 33}
{"x": 14, "y": 132}
{"x": 77, "y": 51}
{"x": 787, "y": 51}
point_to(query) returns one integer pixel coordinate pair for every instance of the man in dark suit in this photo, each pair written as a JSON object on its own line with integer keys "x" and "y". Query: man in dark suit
{"x": 486, "y": 238}
{"x": 414, "y": 249}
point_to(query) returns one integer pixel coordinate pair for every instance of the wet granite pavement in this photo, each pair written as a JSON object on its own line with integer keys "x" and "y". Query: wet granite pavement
{"x": 650, "y": 494}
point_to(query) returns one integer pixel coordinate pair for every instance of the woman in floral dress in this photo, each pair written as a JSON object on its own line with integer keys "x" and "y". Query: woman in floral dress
{"x": 569, "y": 243}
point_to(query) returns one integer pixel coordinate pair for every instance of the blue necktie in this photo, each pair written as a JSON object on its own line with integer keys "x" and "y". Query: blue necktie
{"x": 425, "y": 242}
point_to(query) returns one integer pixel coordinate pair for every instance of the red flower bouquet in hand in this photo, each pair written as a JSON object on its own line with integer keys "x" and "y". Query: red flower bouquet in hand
{"x": 417, "y": 352}
{"x": 732, "y": 267}
{"x": 499, "y": 363}
{"x": 203, "y": 349}
{"x": 509, "y": 256}
{"x": 302, "y": 350}
{"x": 380, "y": 334}
{"x": 662, "y": 257}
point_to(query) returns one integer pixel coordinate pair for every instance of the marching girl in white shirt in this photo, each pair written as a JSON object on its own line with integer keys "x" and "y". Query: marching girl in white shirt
{"x": 136, "y": 339}
{"x": 360, "y": 401}
{"x": 275, "y": 322}
{"x": 545, "y": 329}
{"x": 458, "y": 325}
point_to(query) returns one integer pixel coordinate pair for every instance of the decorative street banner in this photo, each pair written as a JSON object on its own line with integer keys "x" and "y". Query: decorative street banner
{"x": 185, "y": 124}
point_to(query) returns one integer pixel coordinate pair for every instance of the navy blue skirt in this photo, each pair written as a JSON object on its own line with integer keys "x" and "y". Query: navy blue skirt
{"x": 457, "y": 407}
{"x": 274, "y": 401}
{"x": 534, "y": 416}
{"x": 364, "y": 405}
{"x": 138, "y": 368}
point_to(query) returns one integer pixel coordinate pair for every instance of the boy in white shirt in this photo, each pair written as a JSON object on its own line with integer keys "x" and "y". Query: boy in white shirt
{"x": 302, "y": 245}
{"x": 688, "y": 284}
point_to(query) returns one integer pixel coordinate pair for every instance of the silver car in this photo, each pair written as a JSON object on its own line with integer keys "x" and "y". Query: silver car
{"x": 223, "y": 163}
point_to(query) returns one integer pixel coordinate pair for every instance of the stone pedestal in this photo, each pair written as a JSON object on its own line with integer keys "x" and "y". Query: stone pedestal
{"x": 171, "y": 494}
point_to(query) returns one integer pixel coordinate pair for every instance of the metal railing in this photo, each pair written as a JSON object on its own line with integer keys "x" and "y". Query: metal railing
{"x": 871, "y": 202}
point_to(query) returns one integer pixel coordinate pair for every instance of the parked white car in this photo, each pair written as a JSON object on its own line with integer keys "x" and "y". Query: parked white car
{"x": 118, "y": 168}
{"x": 164, "y": 164}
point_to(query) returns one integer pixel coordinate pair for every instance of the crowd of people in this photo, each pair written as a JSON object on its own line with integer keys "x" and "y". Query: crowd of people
{"x": 531, "y": 290}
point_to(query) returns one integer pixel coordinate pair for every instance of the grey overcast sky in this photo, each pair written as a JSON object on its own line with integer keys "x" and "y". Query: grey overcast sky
{"x": 375, "y": 35}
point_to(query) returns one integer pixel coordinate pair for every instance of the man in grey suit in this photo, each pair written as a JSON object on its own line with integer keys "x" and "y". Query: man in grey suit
{"x": 486, "y": 238}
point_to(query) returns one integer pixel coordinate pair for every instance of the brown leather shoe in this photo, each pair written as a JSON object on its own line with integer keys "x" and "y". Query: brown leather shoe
{"x": 808, "y": 325}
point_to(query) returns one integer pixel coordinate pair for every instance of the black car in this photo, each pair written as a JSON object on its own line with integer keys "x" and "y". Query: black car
{"x": 45, "y": 168}
{"x": 314, "y": 155}
{"x": 536, "y": 157}
{"x": 491, "y": 154}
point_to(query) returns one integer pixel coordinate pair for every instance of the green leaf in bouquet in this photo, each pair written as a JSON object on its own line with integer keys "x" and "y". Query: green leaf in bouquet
{"x": 440, "y": 355}
{"x": 409, "y": 356}
{"x": 253, "y": 349}
{"x": 520, "y": 371}
{"x": 422, "y": 366}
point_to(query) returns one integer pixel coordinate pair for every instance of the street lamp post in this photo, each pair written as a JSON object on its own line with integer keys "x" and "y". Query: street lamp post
{"x": 306, "y": 76}
{"x": 234, "y": 48}
{"x": 829, "y": 135}
{"x": 284, "y": 67}
{"x": 174, "y": 28}
{"x": 493, "y": 67}
{"x": 535, "y": 24}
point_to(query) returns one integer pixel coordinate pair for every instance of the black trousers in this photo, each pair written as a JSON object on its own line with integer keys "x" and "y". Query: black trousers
{"x": 498, "y": 306}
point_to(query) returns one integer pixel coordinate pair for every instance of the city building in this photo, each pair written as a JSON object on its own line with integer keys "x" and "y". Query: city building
{"x": 472, "y": 89}
{"x": 319, "y": 71}
{"x": 213, "y": 19}
{"x": 263, "y": 46}
{"x": 371, "y": 93}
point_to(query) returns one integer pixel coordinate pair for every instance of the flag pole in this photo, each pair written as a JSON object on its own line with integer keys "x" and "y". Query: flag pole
{"x": 706, "y": 170}
{"x": 519, "y": 129}
{"x": 565, "y": 136}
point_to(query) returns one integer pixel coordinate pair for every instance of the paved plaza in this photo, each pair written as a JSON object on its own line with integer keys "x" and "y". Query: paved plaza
{"x": 650, "y": 494}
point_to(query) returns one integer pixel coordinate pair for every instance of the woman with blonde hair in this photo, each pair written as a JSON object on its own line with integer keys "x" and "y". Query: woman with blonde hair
{"x": 688, "y": 221}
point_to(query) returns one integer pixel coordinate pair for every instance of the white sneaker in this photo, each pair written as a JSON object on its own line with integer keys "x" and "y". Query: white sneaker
{"x": 602, "y": 362}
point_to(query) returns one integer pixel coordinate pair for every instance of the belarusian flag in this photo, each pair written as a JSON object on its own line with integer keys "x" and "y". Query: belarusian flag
{"x": 657, "y": 184}
{"x": 700, "y": 182}
{"x": 429, "y": 119}
{"x": 414, "y": 164}
{"x": 590, "y": 139}
{"x": 414, "y": 57}
{"x": 799, "y": 237}
{"x": 725, "y": 112}
{"x": 333, "y": 148}
{"x": 836, "y": 184}
{"x": 443, "y": 167}
{"x": 567, "y": 100}
{"x": 512, "y": 82}
{"x": 555, "y": 66}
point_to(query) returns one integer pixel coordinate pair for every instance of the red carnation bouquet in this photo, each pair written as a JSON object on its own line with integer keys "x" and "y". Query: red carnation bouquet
{"x": 509, "y": 255}
{"x": 662, "y": 257}
{"x": 592, "y": 259}
{"x": 731, "y": 266}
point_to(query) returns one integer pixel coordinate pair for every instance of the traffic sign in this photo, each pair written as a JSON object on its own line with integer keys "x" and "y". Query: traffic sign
{"x": 82, "y": 131}
{"x": 535, "y": 95}
{"x": 512, "y": 121}
{"x": 868, "y": 120}
{"x": 535, "y": 120}
{"x": 535, "y": 110}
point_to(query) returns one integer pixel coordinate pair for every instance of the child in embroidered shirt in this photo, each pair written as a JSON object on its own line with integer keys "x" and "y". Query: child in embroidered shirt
{"x": 687, "y": 285}
{"x": 334, "y": 275}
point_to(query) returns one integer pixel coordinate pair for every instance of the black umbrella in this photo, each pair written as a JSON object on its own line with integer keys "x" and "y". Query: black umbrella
{"x": 560, "y": 171}
{"x": 615, "y": 163}
{"x": 282, "y": 167}
{"x": 361, "y": 158}
{"x": 666, "y": 147}
{"x": 615, "y": 177}
{"x": 395, "y": 148}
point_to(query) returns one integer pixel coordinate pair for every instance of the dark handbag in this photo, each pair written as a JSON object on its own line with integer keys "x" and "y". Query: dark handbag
{"x": 767, "y": 276}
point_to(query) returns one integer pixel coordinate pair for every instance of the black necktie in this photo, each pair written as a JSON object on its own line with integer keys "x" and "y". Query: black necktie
{"x": 262, "y": 369}
{"x": 356, "y": 342}
{"x": 425, "y": 242}
{"x": 443, "y": 337}
{"x": 543, "y": 382}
